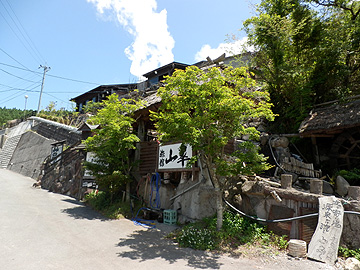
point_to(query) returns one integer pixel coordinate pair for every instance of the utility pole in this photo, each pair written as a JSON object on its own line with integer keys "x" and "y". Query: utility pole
{"x": 46, "y": 69}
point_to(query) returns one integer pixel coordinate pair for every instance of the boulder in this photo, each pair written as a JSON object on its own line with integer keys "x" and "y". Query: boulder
{"x": 354, "y": 192}
{"x": 280, "y": 142}
{"x": 327, "y": 188}
{"x": 342, "y": 186}
{"x": 237, "y": 200}
{"x": 253, "y": 187}
{"x": 352, "y": 264}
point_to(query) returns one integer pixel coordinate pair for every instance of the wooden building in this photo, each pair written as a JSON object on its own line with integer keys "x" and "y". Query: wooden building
{"x": 334, "y": 129}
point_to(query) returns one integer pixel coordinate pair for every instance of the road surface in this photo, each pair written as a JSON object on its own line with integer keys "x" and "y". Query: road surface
{"x": 44, "y": 230}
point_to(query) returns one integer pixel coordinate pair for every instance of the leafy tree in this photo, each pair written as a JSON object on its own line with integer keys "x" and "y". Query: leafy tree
{"x": 206, "y": 109}
{"x": 305, "y": 55}
{"x": 112, "y": 144}
{"x": 11, "y": 114}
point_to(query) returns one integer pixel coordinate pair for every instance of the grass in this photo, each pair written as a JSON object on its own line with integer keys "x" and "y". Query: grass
{"x": 100, "y": 201}
{"x": 236, "y": 231}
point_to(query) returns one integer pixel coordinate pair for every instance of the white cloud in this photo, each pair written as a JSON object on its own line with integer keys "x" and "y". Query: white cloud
{"x": 229, "y": 49}
{"x": 153, "y": 43}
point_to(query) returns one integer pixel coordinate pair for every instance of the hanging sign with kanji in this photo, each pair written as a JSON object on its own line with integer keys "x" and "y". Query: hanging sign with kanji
{"x": 170, "y": 157}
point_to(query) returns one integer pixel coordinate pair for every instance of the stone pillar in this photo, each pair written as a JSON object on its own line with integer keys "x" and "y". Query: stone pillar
{"x": 183, "y": 177}
{"x": 316, "y": 186}
{"x": 354, "y": 193}
{"x": 286, "y": 181}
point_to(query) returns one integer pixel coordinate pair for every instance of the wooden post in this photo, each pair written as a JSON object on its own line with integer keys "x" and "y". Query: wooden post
{"x": 286, "y": 181}
{"x": 315, "y": 150}
{"x": 316, "y": 186}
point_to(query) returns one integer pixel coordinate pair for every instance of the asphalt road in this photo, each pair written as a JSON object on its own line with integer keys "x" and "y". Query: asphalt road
{"x": 43, "y": 230}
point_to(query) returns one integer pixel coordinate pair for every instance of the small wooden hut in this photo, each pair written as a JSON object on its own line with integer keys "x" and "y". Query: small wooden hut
{"x": 334, "y": 129}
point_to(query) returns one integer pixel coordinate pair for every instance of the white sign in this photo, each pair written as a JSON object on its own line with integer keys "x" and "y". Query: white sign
{"x": 90, "y": 157}
{"x": 170, "y": 158}
{"x": 325, "y": 241}
{"x": 56, "y": 150}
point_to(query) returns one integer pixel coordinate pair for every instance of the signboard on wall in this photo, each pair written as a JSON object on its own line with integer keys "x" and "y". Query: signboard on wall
{"x": 90, "y": 157}
{"x": 56, "y": 150}
{"x": 169, "y": 157}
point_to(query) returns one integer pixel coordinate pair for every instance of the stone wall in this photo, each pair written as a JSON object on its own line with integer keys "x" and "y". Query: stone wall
{"x": 256, "y": 198}
{"x": 56, "y": 131}
{"x": 65, "y": 175}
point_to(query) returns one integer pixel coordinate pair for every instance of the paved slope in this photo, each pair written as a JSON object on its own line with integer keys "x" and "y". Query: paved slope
{"x": 43, "y": 230}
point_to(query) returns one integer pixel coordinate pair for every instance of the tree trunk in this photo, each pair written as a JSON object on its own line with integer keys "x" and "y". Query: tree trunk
{"x": 127, "y": 192}
{"x": 219, "y": 209}
{"x": 218, "y": 195}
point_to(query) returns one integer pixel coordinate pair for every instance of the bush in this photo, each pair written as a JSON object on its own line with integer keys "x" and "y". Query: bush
{"x": 101, "y": 202}
{"x": 352, "y": 176}
{"x": 197, "y": 238}
{"x": 236, "y": 231}
{"x": 346, "y": 252}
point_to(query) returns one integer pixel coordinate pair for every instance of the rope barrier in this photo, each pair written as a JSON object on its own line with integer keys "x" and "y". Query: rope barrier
{"x": 280, "y": 220}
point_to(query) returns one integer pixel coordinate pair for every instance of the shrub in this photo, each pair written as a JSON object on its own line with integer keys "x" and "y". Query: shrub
{"x": 197, "y": 238}
{"x": 236, "y": 231}
{"x": 101, "y": 202}
{"x": 346, "y": 252}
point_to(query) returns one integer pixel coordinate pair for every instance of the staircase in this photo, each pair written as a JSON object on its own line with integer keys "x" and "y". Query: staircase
{"x": 14, "y": 135}
{"x": 7, "y": 151}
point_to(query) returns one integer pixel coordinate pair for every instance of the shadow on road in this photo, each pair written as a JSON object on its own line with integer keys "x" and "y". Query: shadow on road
{"x": 82, "y": 211}
{"x": 151, "y": 244}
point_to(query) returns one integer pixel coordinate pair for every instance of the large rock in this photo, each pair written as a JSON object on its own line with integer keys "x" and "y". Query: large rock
{"x": 352, "y": 264}
{"x": 342, "y": 186}
{"x": 327, "y": 188}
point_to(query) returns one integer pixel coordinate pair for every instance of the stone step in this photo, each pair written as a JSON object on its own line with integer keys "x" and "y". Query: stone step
{"x": 7, "y": 151}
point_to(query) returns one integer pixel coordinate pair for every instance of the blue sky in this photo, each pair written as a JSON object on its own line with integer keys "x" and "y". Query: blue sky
{"x": 87, "y": 43}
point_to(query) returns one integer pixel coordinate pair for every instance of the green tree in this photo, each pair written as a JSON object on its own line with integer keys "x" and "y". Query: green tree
{"x": 112, "y": 144}
{"x": 305, "y": 55}
{"x": 11, "y": 114}
{"x": 206, "y": 109}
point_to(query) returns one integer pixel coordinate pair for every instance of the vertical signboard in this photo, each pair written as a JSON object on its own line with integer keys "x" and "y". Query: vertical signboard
{"x": 324, "y": 243}
{"x": 56, "y": 150}
{"x": 90, "y": 157}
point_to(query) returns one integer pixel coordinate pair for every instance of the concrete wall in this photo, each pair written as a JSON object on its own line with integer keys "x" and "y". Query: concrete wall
{"x": 30, "y": 154}
{"x": 195, "y": 204}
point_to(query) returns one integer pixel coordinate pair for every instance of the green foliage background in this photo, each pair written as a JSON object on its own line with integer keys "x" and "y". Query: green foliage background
{"x": 307, "y": 52}
{"x": 11, "y": 114}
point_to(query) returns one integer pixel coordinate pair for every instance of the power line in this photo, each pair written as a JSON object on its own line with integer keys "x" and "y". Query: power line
{"x": 36, "y": 60}
{"x": 54, "y": 76}
{"x": 24, "y": 30}
{"x": 19, "y": 94}
{"x": 15, "y": 60}
{"x": 47, "y": 93}
{"x": 73, "y": 80}
{"x": 16, "y": 76}
{"x": 20, "y": 89}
